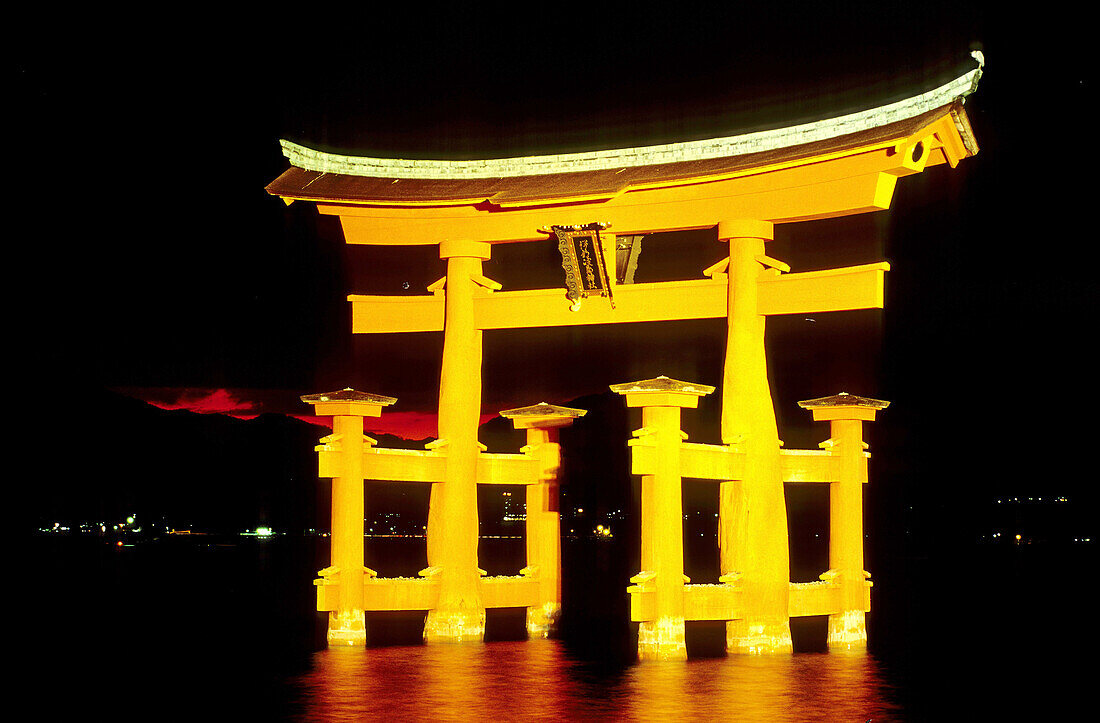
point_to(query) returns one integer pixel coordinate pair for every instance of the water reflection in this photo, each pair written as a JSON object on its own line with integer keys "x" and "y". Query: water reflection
{"x": 803, "y": 687}
{"x": 536, "y": 680}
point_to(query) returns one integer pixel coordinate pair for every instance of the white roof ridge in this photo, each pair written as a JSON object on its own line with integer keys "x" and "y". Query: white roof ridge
{"x": 723, "y": 147}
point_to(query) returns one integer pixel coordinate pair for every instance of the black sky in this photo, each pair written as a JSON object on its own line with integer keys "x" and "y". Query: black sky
{"x": 140, "y": 150}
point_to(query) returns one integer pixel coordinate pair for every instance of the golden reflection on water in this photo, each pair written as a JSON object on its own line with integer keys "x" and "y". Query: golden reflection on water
{"x": 803, "y": 687}
{"x": 535, "y": 680}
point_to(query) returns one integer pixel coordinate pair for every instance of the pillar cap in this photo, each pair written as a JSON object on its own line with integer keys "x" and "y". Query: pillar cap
{"x": 662, "y": 384}
{"x": 662, "y": 392}
{"x": 348, "y": 401}
{"x": 542, "y": 415}
{"x": 844, "y": 406}
{"x": 745, "y": 228}
{"x": 464, "y": 248}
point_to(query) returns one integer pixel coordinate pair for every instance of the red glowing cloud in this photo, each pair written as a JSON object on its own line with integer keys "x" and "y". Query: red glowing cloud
{"x": 205, "y": 401}
{"x": 250, "y": 403}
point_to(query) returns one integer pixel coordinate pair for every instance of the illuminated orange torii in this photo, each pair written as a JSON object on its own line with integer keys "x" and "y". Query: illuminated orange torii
{"x": 347, "y": 588}
{"x": 661, "y": 598}
{"x": 742, "y": 185}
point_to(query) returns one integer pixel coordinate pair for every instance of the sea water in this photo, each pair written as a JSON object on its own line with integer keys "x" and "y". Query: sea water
{"x": 224, "y": 629}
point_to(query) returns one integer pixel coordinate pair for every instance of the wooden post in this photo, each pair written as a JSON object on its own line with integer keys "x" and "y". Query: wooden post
{"x": 347, "y": 623}
{"x": 452, "y": 515}
{"x": 846, "y": 414}
{"x": 543, "y": 423}
{"x": 752, "y": 512}
{"x": 662, "y": 513}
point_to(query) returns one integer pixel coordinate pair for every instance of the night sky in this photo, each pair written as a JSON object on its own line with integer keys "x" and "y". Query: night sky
{"x": 159, "y": 266}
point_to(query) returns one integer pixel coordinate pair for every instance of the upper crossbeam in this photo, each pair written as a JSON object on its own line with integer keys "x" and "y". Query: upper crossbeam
{"x": 847, "y": 288}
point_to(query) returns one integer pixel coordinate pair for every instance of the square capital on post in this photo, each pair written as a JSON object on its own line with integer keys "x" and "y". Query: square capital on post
{"x": 745, "y": 228}
{"x": 542, "y": 416}
{"x": 662, "y": 392}
{"x": 844, "y": 406}
{"x": 468, "y": 249}
{"x": 348, "y": 402}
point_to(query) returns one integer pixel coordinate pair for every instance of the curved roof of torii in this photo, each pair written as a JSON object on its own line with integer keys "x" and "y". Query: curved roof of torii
{"x": 319, "y": 176}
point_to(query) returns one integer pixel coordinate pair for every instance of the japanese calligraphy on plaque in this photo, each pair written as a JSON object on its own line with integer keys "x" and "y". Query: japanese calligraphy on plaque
{"x": 582, "y": 257}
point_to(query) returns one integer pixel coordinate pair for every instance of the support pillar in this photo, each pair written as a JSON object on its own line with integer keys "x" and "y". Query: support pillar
{"x": 347, "y": 623}
{"x": 452, "y": 514}
{"x": 846, "y": 414}
{"x": 543, "y": 423}
{"x": 662, "y": 513}
{"x": 752, "y": 512}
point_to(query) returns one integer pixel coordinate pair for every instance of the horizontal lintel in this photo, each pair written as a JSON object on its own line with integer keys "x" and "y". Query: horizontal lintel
{"x": 507, "y": 469}
{"x": 839, "y": 187}
{"x": 712, "y": 602}
{"x": 701, "y": 602}
{"x": 509, "y": 592}
{"x": 723, "y": 602}
{"x": 719, "y": 462}
{"x": 808, "y": 466}
{"x": 395, "y": 314}
{"x": 697, "y": 461}
{"x": 409, "y": 465}
{"x": 661, "y": 301}
{"x": 409, "y": 593}
{"x": 820, "y": 598}
{"x": 400, "y": 593}
{"x": 391, "y": 465}
{"x": 849, "y": 288}
{"x": 814, "y": 292}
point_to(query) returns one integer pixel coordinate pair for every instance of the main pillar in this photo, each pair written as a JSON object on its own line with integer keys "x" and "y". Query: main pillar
{"x": 543, "y": 423}
{"x": 662, "y": 512}
{"x": 846, "y": 414}
{"x": 752, "y": 512}
{"x": 452, "y": 514}
{"x": 347, "y": 623}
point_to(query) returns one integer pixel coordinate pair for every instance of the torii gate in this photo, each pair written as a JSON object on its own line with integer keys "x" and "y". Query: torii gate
{"x": 661, "y": 600}
{"x": 743, "y": 185}
{"x": 346, "y": 589}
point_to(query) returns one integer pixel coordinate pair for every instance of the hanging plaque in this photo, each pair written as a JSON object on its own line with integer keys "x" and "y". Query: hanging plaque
{"x": 582, "y": 258}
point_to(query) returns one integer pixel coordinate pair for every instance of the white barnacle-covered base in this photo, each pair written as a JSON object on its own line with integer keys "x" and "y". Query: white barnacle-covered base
{"x": 758, "y": 639}
{"x": 542, "y": 618}
{"x": 662, "y": 639}
{"x": 848, "y": 630}
{"x": 454, "y": 626}
{"x": 347, "y": 627}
